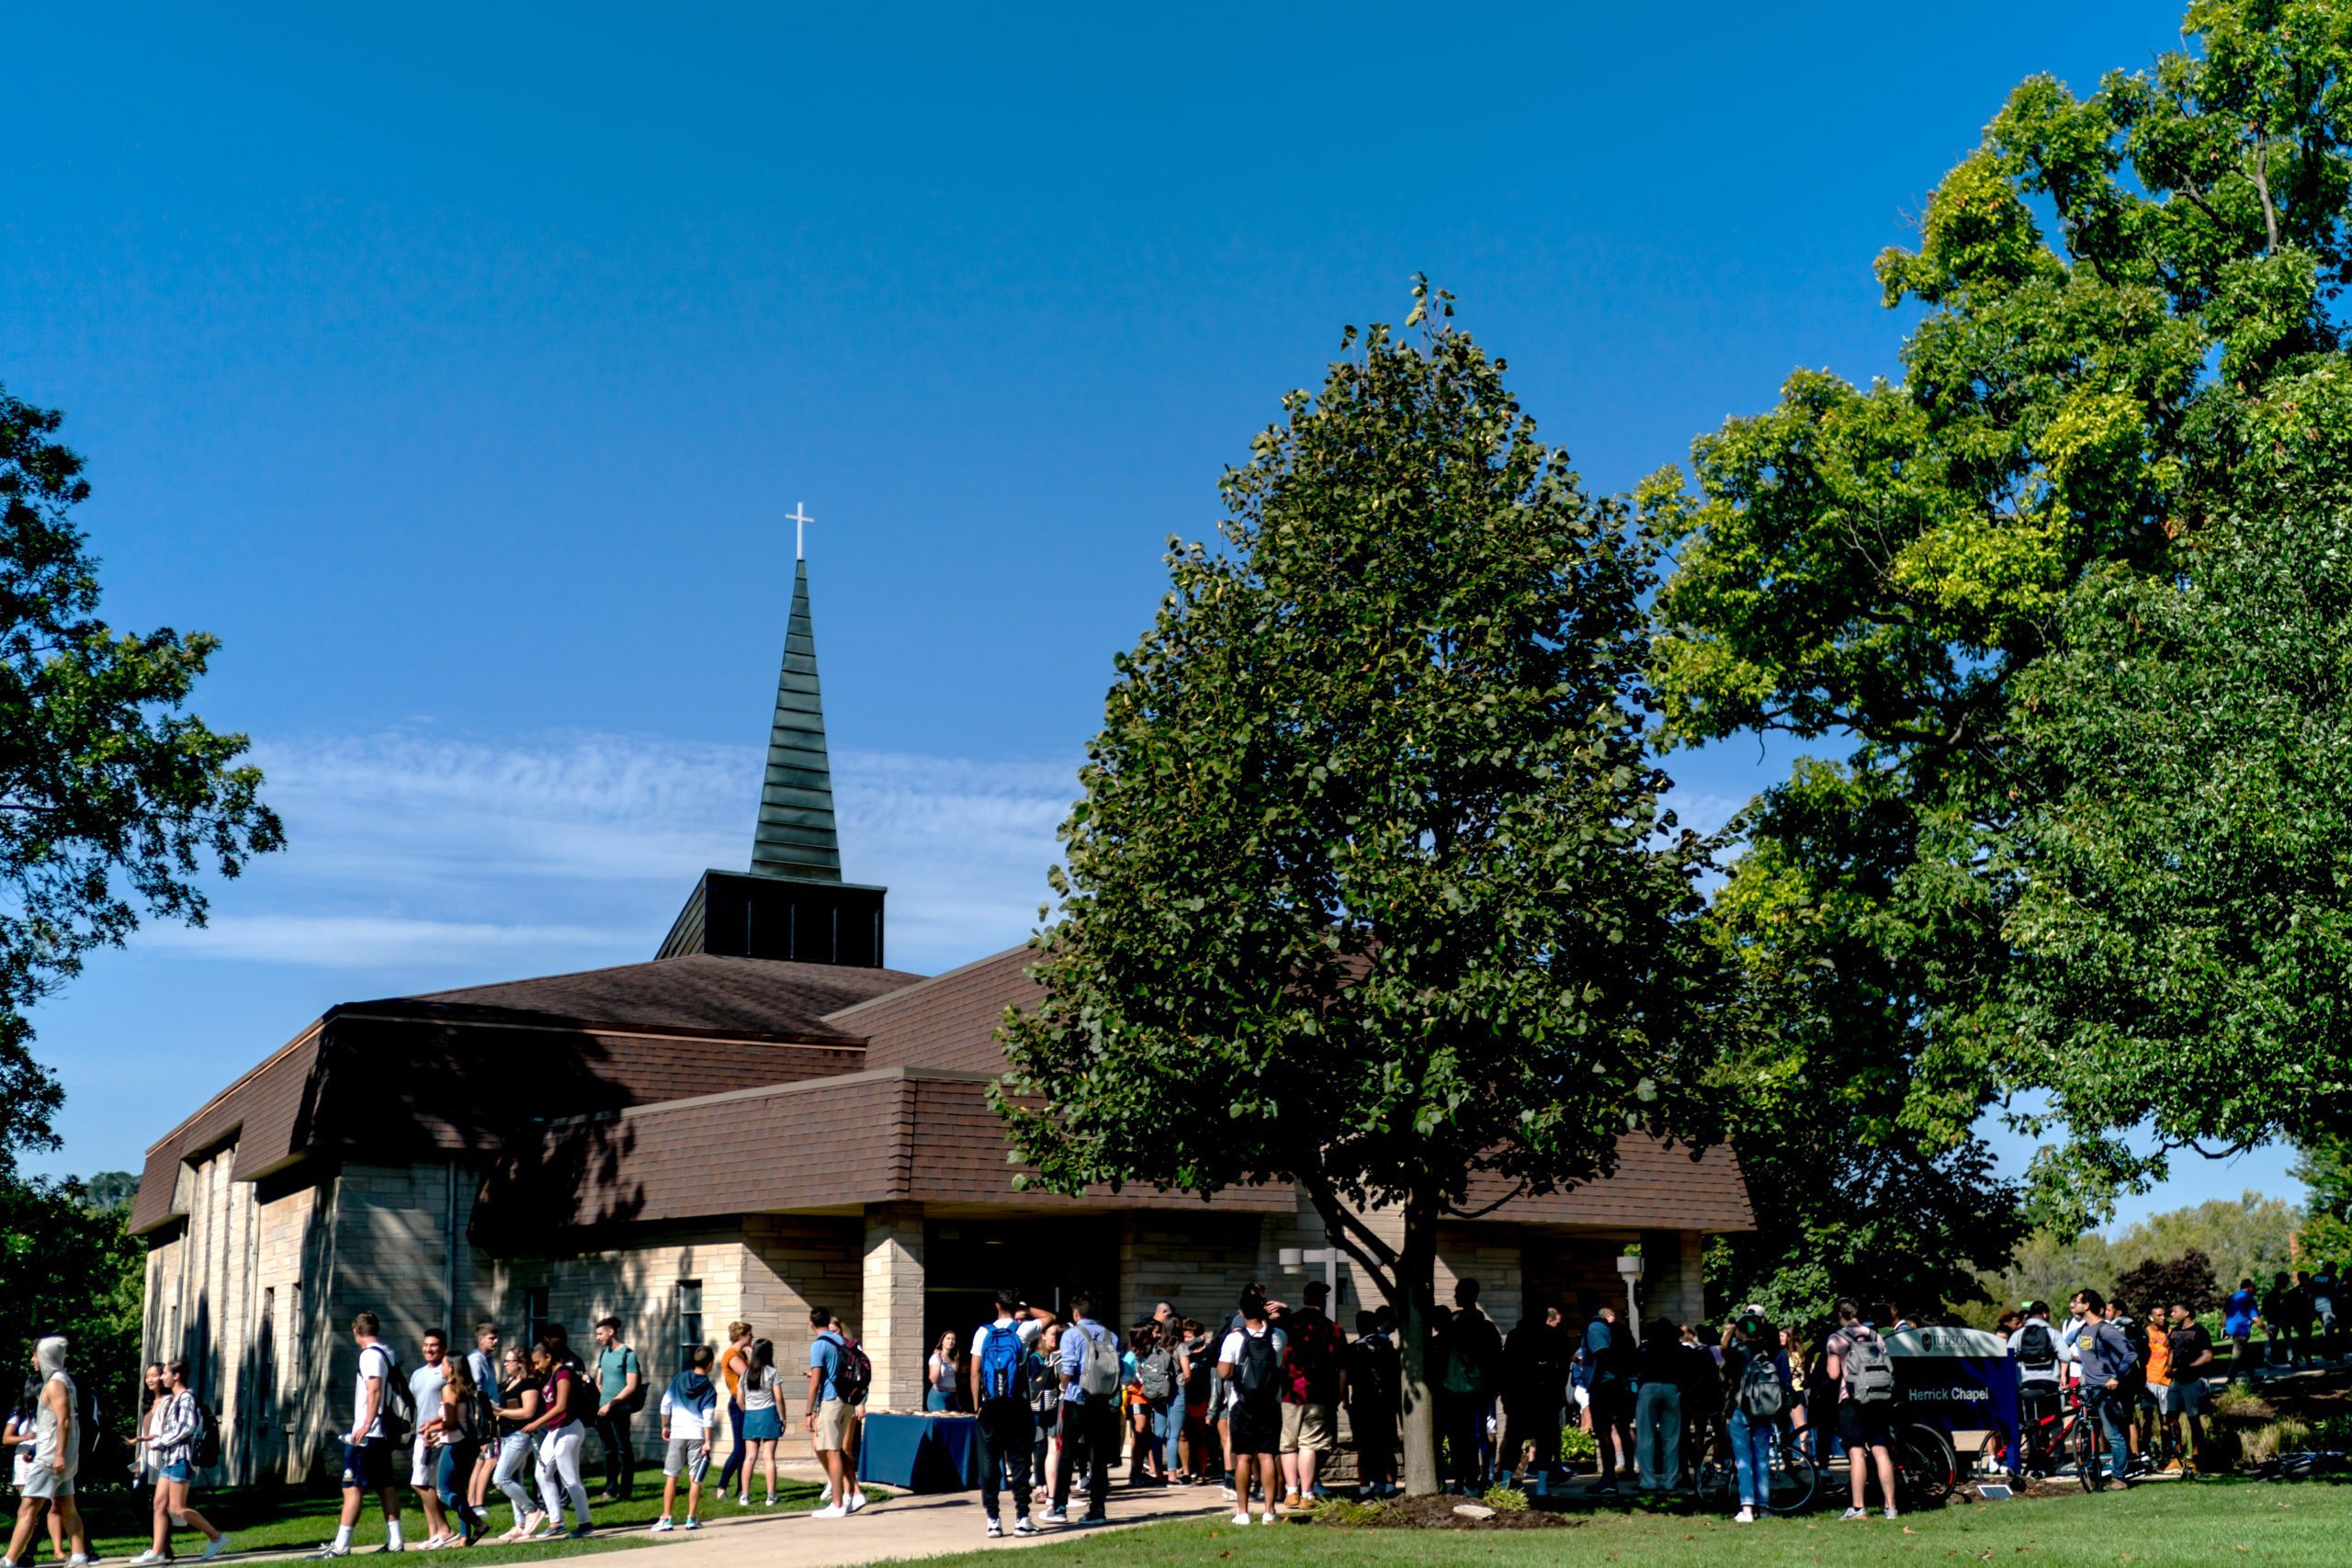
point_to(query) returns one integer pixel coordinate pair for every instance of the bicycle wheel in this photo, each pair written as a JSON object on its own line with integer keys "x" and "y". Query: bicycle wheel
{"x": 1926, "y": 1470}
{"x": 2084, "y": 1447}
{"x": 1993, "y": 1458}
{"x": 1794, "y": 1480}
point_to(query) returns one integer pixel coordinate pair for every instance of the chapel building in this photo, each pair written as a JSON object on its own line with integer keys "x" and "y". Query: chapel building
{"x": 763, "y": 1117}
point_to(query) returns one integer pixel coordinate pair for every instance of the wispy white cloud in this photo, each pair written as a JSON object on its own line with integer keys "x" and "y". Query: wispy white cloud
{"x": 416, "y": 854}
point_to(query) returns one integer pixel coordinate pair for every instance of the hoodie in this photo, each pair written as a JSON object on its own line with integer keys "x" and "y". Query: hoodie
{"x": 689, "y": 1404}
{"x": 50, "y": 1357}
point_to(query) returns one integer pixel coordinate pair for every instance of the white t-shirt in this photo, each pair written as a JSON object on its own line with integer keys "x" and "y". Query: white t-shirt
{"x": 1230, "y": 1354}
{"x": 374, "y": 1361}
{"x": 2040, "y": 1376}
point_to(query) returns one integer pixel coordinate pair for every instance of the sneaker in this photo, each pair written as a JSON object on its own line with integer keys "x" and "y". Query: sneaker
{"x": 330, "y": 1550}
{"x": 1292, "y": 1500}
{"x": 1091, "y": 1518}
{"x": 1226, "y": 1493}
{"x": 1890, "y": 1511}
{"x": 150, "y": 1555}
{"x": 662, "y": 1526}
{"x": 1745, "y": 1516}
{"x": 830, "y": 1511}
{"x": 1023, "y": 1526}
{"x": 693, "y": 1523}
{"x": 856, "y": 1499}
{"x": 744, "y": 1501}
{"x": 995, "y": 1529}
{"x": 1265, "y": 1518}
{"x": 215, "y": 1549}
{"x": 579, "y": 1532}
{"x": 1058, "y": 1515}
{"x": 770, "y": 1502}
{"x": 388, "y": 1546}
{"x": 1850, "y": 1515}
{"x": 1243, "y": 1518}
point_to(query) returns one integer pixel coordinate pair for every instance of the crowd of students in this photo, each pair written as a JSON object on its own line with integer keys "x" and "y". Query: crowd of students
{"x": 1250, "y": 1404}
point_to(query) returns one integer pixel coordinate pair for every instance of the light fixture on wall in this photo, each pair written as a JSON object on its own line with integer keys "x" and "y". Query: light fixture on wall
{"x": 1629, "y": 1265}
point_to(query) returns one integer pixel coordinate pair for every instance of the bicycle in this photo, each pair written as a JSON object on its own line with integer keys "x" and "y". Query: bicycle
{"x": 1793, "y": 1480}
{"x": 2037, "y": 1448}
{"x": 1926, "y": 1466}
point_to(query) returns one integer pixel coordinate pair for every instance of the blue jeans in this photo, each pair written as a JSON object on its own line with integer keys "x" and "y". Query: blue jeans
{"x": 1167, "y": 1425}
{"x": 936, "y": 1401}
{"x": 453, "y": 1471}
{"x": 1751, "y": 1458}
{"x": 2112, "y": 1410}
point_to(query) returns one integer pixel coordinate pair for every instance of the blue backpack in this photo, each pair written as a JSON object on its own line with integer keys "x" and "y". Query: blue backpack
{"x": 1000, "y": 1359}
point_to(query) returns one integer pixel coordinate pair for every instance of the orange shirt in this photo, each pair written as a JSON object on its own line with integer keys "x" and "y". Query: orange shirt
{"x": 2159, "y": 1359}
{"x": 731, "y": 1366}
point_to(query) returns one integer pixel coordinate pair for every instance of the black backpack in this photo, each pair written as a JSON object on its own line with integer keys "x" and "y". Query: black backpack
{"x": 204, "y": 1442}
{"x": 89, "y": 1434}
{"x": 1258, "y": 1373}
{"x": 397, "y": 1411}
{"x": 2038, "y": 1347}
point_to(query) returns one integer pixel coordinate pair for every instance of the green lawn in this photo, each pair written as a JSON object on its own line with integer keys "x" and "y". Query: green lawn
{"x": 283, "y": 1519}
{"x": 2171, "y": 1526}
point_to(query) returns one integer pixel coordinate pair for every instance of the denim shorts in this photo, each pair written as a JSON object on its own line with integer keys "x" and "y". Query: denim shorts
{"x": 179, "y": 1471}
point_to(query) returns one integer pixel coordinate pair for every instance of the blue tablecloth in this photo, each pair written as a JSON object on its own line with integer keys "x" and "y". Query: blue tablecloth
{"x": 919, "y": 1453}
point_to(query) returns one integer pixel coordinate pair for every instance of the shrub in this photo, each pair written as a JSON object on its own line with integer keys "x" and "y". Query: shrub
{"x": 1578, "y": 1445}
{"x": 2243, "y": 1405}
{"x": 2264, "y": 1443}
{"x": 1505, "y": 1499}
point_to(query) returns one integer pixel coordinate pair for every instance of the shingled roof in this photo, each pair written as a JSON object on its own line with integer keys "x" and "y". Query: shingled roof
{"x": 697, "y": 992}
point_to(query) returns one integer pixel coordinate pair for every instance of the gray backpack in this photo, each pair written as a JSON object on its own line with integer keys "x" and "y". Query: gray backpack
{"x": 1868, "y": 1369}
{"x": 1761, "y": 1397}
{"x": 1098, "y": 1367}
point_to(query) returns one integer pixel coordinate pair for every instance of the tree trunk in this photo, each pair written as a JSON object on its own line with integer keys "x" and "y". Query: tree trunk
{"x": 1416, "y": 1285}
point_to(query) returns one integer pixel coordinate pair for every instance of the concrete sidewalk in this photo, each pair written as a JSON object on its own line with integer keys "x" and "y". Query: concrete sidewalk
{"x": 903, "y": 1526}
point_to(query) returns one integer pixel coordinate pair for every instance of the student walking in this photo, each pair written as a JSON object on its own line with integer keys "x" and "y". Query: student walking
{"x": 425, "y": 1386}
{"x": 21, "y": 1435}
{"x": 1090, "y": 1377}
{"x": 1858, "y": 1363}
{"x": 620, "y": 1394}
{"x": 732, "y": 1359}
{"x": 830, "y": 1386}
{"x": 763, "y": 1418}
{"x": 173, "y": 1449}
{"x": 457, "y": 1431}
{"x": 2239, "y": 1317}
{"x": 517, "y": 1407}
{"x": 1251, "y": 1363}
{"x": 57, "y": 1456}
{"x": 1001, "y": 1398}
{"x": 367, "y": 1447}
{"x": 561, "y": 1438}
{"x": 689, "y": 1409}
{"x": 483, "y": 1362}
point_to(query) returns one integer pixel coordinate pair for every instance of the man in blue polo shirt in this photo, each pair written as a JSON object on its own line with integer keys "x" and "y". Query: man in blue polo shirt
{"x": 1090, "y": 1379}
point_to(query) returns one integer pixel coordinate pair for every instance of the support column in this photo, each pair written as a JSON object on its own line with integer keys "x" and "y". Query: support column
{"x": 1674, "y": 1283}
{"x": 892, "y": 1329}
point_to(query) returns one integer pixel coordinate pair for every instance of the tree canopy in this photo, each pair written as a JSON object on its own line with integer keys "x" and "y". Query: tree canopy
{"x": 2126, "y": 304}
{"x": 113, "y": 801}
{"x": 1372, "y": 888}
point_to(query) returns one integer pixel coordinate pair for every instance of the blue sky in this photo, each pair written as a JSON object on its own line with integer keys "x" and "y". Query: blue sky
{"x": 457, "y": 374}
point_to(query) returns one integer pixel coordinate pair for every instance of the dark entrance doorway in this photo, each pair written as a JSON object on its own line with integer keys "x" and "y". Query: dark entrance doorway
{"x": 966, "y": 1262}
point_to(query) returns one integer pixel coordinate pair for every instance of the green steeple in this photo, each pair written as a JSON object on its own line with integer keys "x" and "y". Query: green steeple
{"x": 796, "y": 834}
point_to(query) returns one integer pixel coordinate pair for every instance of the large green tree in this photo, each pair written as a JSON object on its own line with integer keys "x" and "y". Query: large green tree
{"x": 1371, "y": 889}
{"x": 114, "y": 802}
{"x": 2125, "y": 298}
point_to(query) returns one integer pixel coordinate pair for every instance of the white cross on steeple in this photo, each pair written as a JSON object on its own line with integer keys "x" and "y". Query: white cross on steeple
{"x": 798, "y": 517}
